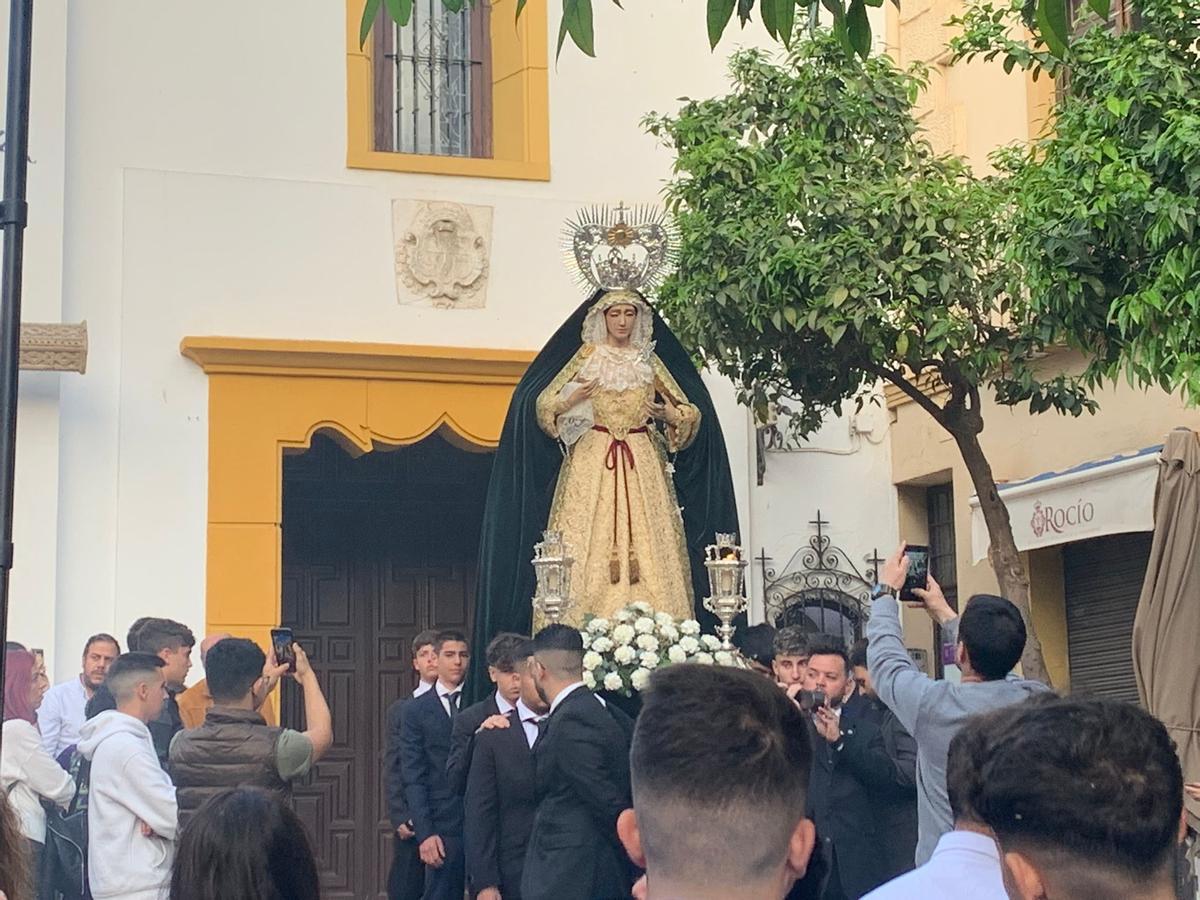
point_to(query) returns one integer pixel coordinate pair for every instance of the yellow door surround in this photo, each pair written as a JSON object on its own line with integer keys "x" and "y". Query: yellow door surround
{"x": 520, "y": 102}
{"x": 269, "y": 396}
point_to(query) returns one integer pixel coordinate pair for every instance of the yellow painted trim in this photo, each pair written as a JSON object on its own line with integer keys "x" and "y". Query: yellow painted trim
{"x": 271, "y": 396}
{"x": 520, "y": 102}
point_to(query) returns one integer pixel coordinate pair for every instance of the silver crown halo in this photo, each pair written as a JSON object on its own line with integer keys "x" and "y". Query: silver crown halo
{"x": 620, "y": 248}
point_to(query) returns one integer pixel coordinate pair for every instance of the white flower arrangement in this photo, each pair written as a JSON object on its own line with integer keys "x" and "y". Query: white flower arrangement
{"x": 589, "y": 680}
{"x": 623, "y": 649}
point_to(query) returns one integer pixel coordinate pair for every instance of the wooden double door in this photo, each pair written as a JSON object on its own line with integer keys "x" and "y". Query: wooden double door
{"x": 375, "y": 550}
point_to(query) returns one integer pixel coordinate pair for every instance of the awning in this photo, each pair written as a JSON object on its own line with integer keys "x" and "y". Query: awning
{"x": 1109, "y": 496}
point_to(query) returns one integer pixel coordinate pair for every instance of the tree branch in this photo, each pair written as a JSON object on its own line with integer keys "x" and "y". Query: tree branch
{"x": 914, "y": 393}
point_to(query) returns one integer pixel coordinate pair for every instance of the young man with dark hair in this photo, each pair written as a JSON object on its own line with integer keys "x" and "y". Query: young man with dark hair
{"x": 502, "y": 671}
{"x": 436, "y": 810}
{"x": 965, "y": 861}
{"x": 582, "y": 763}
{"x": 196, "y": 701}
{"x": 406, "y": 878}
{"x": 1085, "y": 798}
{"x": 61, "y": 713}
{"x": 235, "y": 747}
{"x": 132, "y": 814}
{"x": 857, "y": 789}
{"x": 720, "y": 765}
{"x": 989, "y": 638}
{"x": 790, "y": 660}
{"x": 757, "y": 646}
{"x": 172, "y": 642}
{"x": 501, "y": 797}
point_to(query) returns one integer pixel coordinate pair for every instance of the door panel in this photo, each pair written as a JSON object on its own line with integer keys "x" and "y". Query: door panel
{"x": 375, "y": 550}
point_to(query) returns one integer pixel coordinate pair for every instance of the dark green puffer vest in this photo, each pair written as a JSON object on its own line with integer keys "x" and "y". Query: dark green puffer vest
{"x": 233, "y": 748}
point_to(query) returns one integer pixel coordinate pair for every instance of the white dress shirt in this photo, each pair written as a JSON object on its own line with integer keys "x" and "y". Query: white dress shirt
{"x": 529, "y": 720}
{"x": 423, "y": 688}
{"x": 61, "y": 714}
{"x": 444, "y": 693}
{"x": 963, "y": 864}
{"x": 503, "y": 705}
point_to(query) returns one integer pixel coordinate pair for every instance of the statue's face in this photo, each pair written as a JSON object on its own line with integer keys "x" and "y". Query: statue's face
{"x": 620, "y": 320}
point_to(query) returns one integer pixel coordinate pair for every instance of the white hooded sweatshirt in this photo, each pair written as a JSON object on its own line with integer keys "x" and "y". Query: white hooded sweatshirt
{"x": 128, "y": 787}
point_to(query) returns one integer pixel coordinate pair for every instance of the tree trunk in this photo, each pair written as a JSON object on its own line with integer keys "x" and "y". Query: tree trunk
{"x": 1002, "y": 552}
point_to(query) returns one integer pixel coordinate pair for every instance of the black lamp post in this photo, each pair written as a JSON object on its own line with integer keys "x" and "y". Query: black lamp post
{"x": 14, "y": 212}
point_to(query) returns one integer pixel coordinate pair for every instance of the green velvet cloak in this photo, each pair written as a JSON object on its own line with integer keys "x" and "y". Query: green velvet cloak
{"x": 525, "y": 473}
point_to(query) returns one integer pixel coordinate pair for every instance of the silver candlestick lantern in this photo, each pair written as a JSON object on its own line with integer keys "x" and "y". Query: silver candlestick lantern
{"x": 552, "y": 563}
{"x": 726, "y": 578}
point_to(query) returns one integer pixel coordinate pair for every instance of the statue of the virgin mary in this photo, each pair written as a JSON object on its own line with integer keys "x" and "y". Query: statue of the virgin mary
{"x": 612, "y": 439}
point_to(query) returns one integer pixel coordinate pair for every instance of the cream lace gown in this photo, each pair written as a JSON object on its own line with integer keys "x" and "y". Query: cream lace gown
{"x": 615, "y": 502}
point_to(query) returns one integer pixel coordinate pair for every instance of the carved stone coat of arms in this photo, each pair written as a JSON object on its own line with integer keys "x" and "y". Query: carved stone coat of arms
{"x": 442, "y": 252}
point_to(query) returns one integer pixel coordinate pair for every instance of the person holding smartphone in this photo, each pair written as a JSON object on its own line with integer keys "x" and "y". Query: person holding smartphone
{"x": 989, "y": 638}
{"x": 235, "y": 747}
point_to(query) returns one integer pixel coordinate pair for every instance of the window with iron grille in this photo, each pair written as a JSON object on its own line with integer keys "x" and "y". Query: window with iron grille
{"x": 433, "y": 82}
{"x": 942, "y": 550}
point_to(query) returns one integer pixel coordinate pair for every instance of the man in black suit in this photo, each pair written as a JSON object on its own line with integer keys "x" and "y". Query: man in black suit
{"x": 501, "y": 791}
{"x": 582, "y": 762}
{"x": 436, "y": 811}
{"x": 843, "y": 801}
{"x": 502, "y": 670}
{"x": 406, "y": 880}
{"x": 884, "y": 756}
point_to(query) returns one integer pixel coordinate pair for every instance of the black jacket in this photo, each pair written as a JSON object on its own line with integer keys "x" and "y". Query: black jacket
{"x": 424, "y": 747}
{"x": 462, "y": 740}
{"x": 500, "y": 805}
{"x": 857, "y": 793}
{"x": 582, "y": 764}
{"x": 393, "y": 777}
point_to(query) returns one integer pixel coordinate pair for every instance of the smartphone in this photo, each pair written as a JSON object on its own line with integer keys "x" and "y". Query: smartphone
{"x": 281, "y": 641}
{"x": 918, "y": 572}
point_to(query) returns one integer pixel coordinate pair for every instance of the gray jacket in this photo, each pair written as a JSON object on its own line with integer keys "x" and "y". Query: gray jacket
{"x": 931, "y": 711}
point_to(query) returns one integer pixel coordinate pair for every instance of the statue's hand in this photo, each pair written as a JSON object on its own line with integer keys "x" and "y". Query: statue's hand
{"x": 664, "y": 412}
{"x": 584, "y": 392}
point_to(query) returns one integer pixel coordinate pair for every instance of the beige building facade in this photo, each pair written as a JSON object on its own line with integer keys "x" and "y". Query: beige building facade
{"x": 1079, "y": 490}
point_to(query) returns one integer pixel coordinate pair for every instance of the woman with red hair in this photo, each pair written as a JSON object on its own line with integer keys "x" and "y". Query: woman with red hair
{"x": 27, "y": 773}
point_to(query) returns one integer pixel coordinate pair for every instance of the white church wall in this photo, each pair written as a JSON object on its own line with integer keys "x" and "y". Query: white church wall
{"x": 206, "y": 192}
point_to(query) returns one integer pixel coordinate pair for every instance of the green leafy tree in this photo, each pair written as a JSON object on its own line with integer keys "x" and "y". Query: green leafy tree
{"x": 780, "y": 18}
{"x": 825, "y": 247}
{"x": 1105, "y": 204}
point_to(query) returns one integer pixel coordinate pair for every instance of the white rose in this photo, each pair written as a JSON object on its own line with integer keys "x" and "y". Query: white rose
{"x": 663, "y": 618}
{"x": 723, "y": 658}
{"x": 589, "y": 681}
{"x": 591, "y": 660}
{"x": 624, "y": 654}
{"x": 602, "y": 645}
{"x": 669, "y": 633}
{"x": 612, "y": 682}
{"x": 689, "y": 626}
{"x": 689, "y": 645}
{"x": 587, "y": 640}
{"x": 649, "y": 660}
{"x": 642, "y": 606}
{"x": 599, "y": 626}
{"x": 623, "y": 634}
{"x": 705, "y": 659}
{"x": 647, "y": 642}
{"x": 676, "y": 654}
{"x": 710, "y": 642}
{"x": 644, "y": 625}
{"x": 624, "y": 615}
{"x": 639, "y": 679}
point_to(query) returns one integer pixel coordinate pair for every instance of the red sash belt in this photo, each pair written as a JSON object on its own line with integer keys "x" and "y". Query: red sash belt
{"x": 620, "y": 455}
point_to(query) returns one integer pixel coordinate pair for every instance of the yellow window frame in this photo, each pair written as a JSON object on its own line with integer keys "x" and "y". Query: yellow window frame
{"x": 520, "y": 102}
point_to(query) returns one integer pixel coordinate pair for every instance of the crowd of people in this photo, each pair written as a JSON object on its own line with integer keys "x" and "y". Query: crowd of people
{"x": 816, "y": 771}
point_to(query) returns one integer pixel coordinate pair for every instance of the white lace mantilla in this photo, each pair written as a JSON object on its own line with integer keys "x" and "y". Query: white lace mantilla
{"x": 619, "y": 368}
